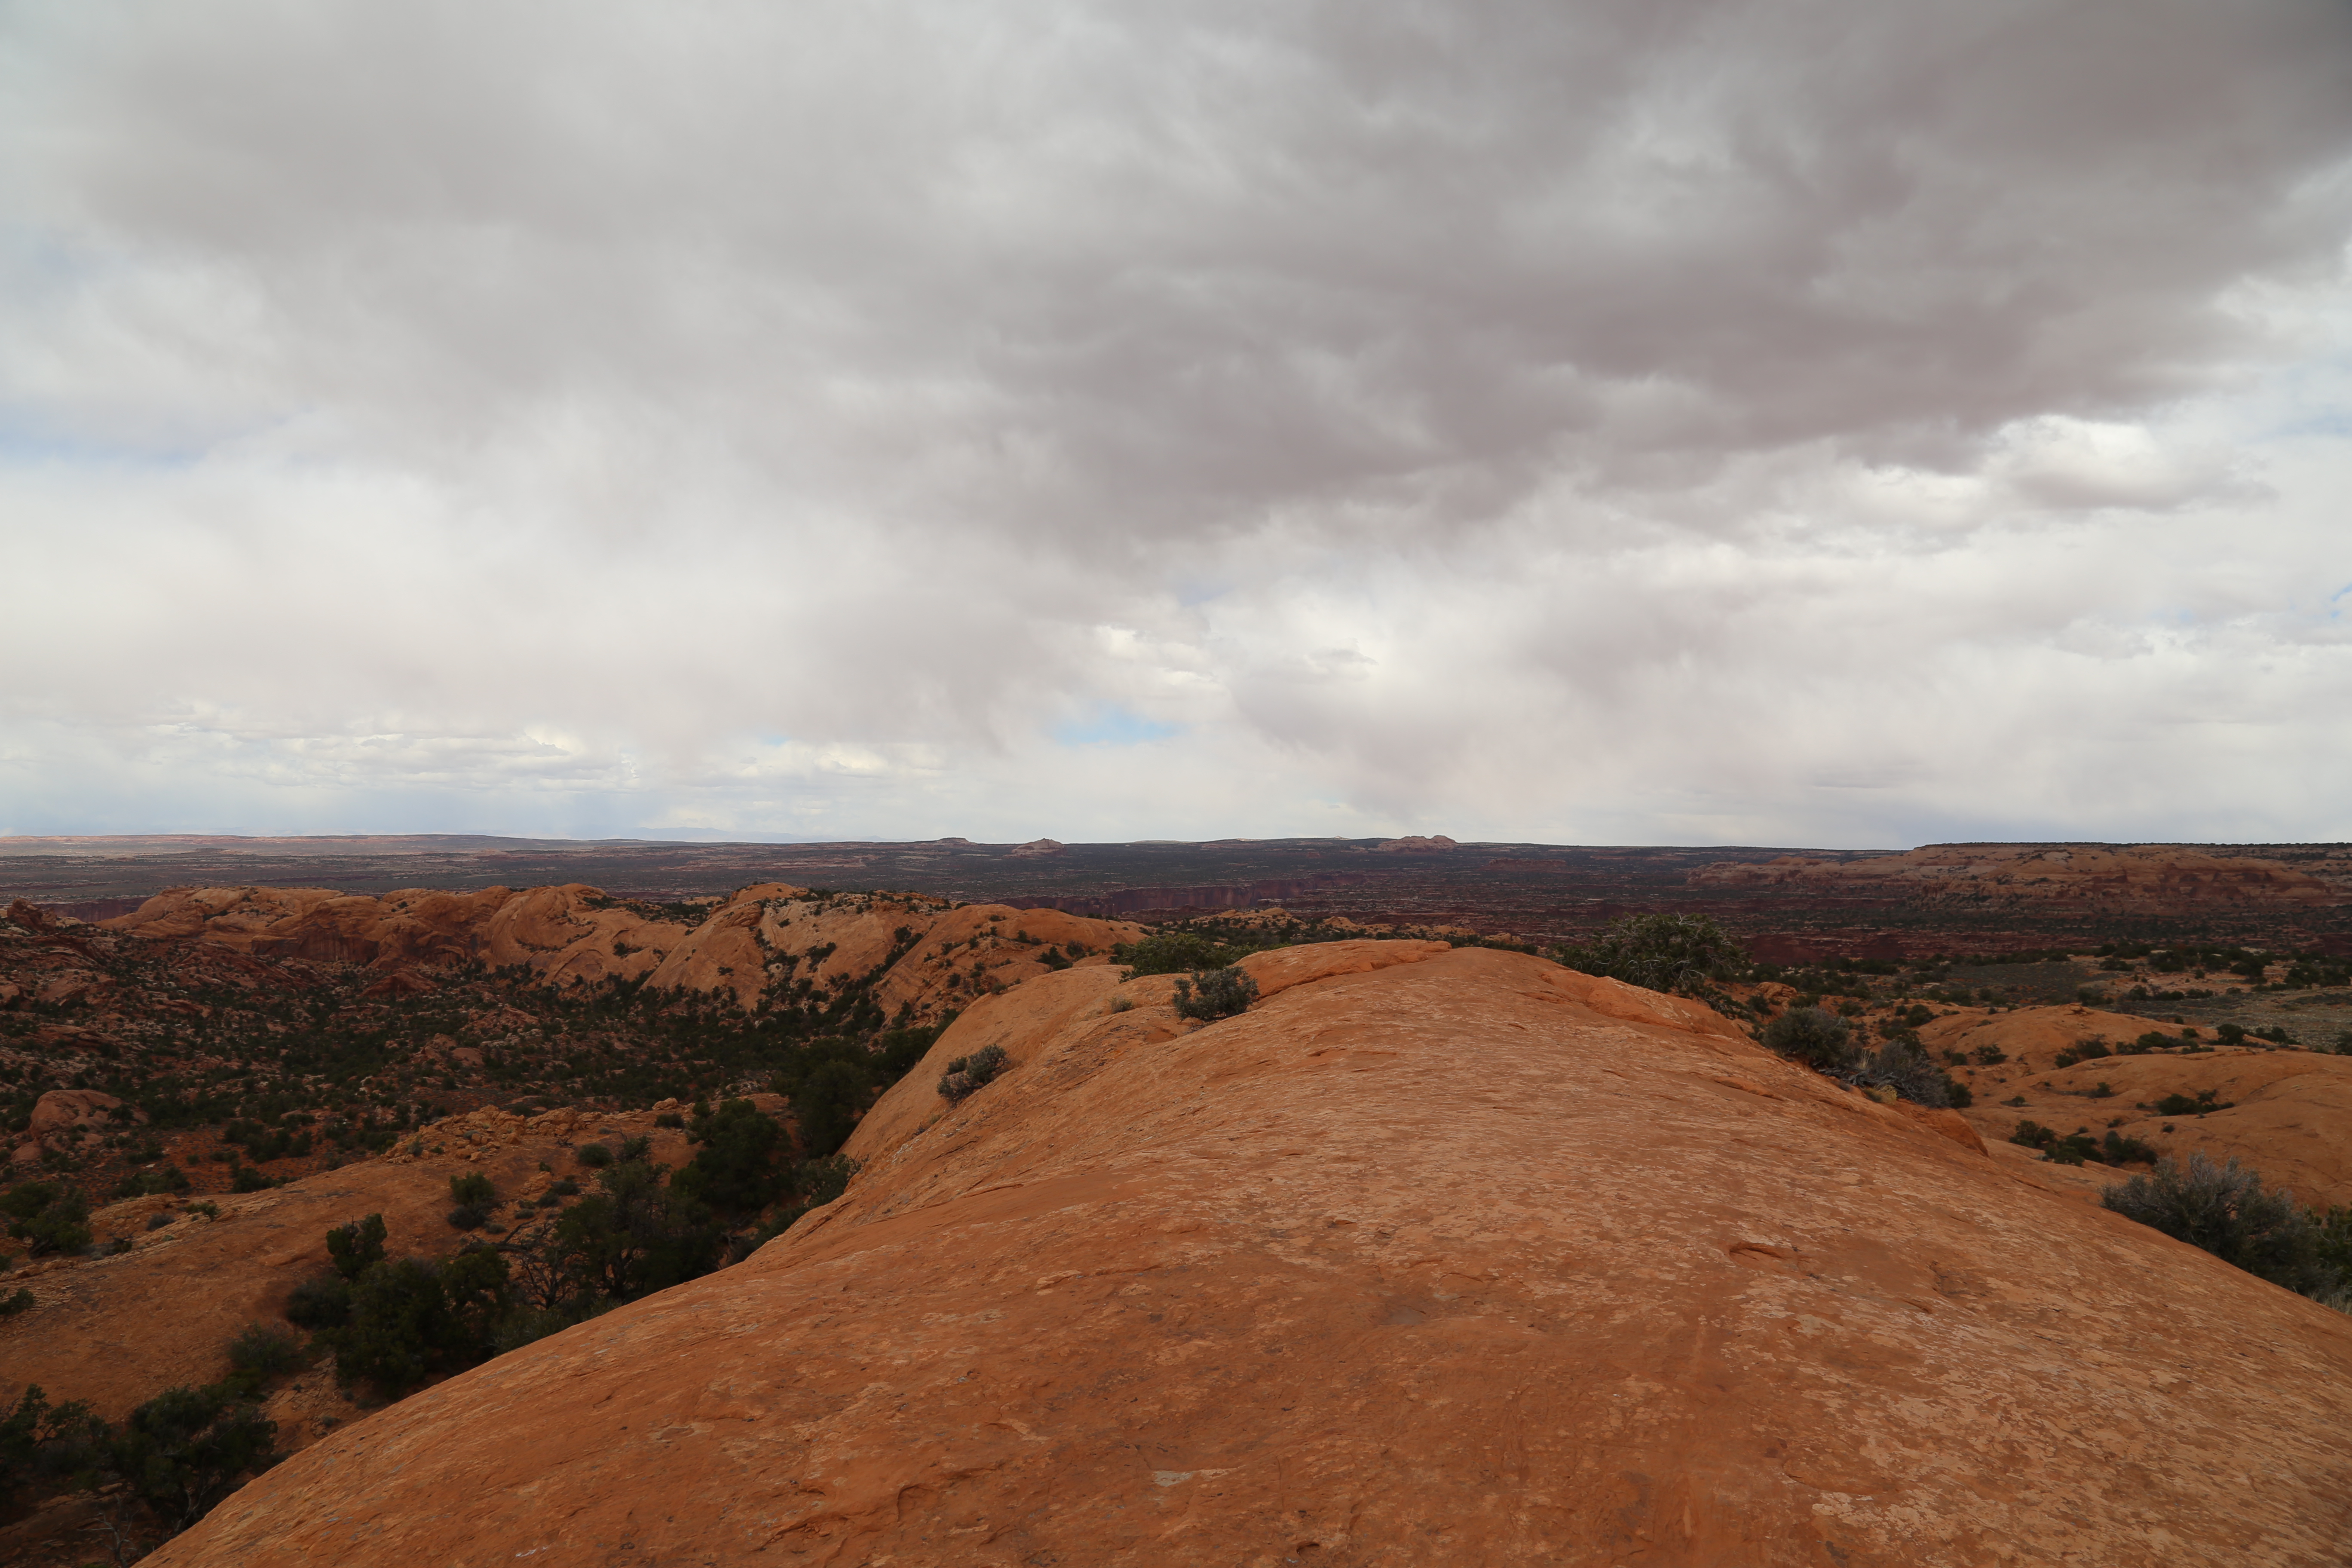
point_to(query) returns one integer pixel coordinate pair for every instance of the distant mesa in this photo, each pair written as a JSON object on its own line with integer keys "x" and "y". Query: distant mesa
{"x": 2095, "y": 876}
{"x": 1037, "y": 848}
{"x": 1419, "y": 846}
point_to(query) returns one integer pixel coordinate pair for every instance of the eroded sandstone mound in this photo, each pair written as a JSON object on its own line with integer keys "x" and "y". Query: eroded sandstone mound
{"x": 926, "y": 956}
{"x": 2285, "y": 1113}
{"x": 1464, "y": 1258}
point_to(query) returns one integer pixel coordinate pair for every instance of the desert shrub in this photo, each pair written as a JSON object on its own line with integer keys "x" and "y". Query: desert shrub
{"x": 820, "y": 1182}
{"x": 48, "y": 1216}
{"x": 465, "y": 1217}
{"x": 2178, "y": 1104}
{"x": 1660, "y": 951}
{"x": 595, "y": 1156}
{"x": 1809, "y": 1034}
{"x": 737, "y": 1169}
{"x": 634, "y": 1149}
{"x": 2075, "y": 1149}
{"x": 2034, "y": 1135}
{"x": 2226, "y": 1210}
{"x": 40, "y": 1441}
{"x": 563, "y": 1187}
{"x": 2117, "y": 1149}
{"x": 246, "y": 1179}
{"x": 264, "y": 1351}
{"x": 966, "y": 1074}
{"x": 1215, "y": 993}
{"x": 150, "y": 1183}
{"x": 2154, "y": 1040}
{"x": 322, "y": 1301}
{"x": 1176, "y": 953}
{"x": 1900, "y": 1064}
{"x": 354, "y": 1248}
{"x": 1988, "y": 1056}
{"x": 2231, "y": 1034}
{"x": 17, "y": 1300}
{"x": 186, "y": 1449}
{"x": 472, "y": 1189}
{"x": 2091, "y": 1050}
{"x": 633, "y": 1237}
{"x": 826, "y": 1104}
{"x": 410, "y": 1320}
{"x": 669, "y": 1118}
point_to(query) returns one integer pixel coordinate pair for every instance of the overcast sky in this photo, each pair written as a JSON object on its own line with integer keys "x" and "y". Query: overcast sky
{"x": 1811, "y": 422}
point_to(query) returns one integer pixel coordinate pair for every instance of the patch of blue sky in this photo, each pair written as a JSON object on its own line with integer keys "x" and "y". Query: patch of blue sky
{"x": 29, "y": 445}
{"x": 1113, "y": 724}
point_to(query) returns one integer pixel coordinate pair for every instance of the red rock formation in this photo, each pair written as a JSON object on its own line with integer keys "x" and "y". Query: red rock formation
{"x": 2290, "y": 1113}
{"x": 1462, "y": 1259}
{"x": 2152, "y": 878}
{"x": 574, "y": 934}
{"x": 60, "y": 1111}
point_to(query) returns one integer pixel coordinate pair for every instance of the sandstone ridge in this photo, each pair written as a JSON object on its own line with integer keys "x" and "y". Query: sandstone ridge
{"x": 1432, "y": 1257}
{"x": 923, "y": 955}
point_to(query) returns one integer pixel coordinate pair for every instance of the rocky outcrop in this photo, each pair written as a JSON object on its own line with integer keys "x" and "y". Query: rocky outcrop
{"x": 1432, "y": 1257}
{"x": 1416, "y": 845}
{"x": 746, "y": 945}
{"x": 61, "y": 1114}
{"x": 2143, "y": 878}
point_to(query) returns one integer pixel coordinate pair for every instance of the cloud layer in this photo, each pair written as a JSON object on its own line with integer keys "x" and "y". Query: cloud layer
{"x": 1763, "y": 422}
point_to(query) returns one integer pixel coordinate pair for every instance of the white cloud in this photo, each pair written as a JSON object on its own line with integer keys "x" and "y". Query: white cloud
{"x": 1767, "y": 419}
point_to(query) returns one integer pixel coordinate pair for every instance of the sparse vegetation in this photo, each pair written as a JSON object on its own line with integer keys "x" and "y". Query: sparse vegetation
{"x": 2227, "y": 1211}
{"x": 1213, "y": 994}
{"x": 1686, "y": 954}
{"x": 47, "y": 1216}
{"x": 1821, "y": 1040}
{"x": 966, "y": 1074}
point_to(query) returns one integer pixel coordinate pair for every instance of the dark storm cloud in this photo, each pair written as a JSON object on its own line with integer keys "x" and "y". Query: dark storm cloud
{"x": 697, "y": 407}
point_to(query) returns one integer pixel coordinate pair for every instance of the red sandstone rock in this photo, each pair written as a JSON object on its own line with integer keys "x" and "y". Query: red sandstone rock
{"x": 574, "y": 934}
{"x": 1456, "y": 1260}
{"x": 2149, "y": 876}
{"x": 2290, "y": 1113}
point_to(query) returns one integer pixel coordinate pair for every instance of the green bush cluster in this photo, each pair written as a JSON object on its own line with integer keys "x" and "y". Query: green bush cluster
{"x": 831, "y": 1080}
{"x": 1820, "y": 1039}
{"x": 2227, "y": 1211}
{"x": 179, "y": 1454}
{"x": 150, "y": 1183}
{"x": 49, "y": 1216}
{"x": 1679, "y": 953}
{"x": 2080, "y": 1146}
{"x": 1181, "y": 953}
{"x": 966, "y": 1075}
{"x": 1213, "y": 994}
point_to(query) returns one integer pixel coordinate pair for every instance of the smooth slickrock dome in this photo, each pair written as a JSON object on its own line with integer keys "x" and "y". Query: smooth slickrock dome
{"x": 1431, "y": 1258}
